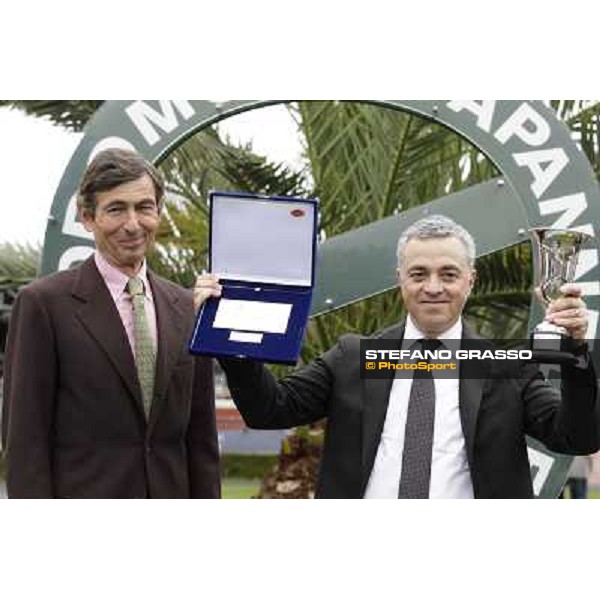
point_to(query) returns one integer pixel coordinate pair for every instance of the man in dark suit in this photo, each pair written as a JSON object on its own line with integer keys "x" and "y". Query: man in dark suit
{"x": 423, "y": 437}
{"x": 101, "y": 397}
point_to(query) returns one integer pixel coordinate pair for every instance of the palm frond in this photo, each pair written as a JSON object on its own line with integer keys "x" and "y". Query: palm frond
{"x": 18, "y": 262}
{"x": 70, "y": 114}
{"x": 202, "y": 163}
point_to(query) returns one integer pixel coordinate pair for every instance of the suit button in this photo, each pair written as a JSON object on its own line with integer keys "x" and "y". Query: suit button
{"x": 148, "y": 449}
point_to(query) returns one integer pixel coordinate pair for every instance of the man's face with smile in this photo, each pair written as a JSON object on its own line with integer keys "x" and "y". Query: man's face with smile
{"x": 435, "y": 280}
{"x": 124, "y": 223}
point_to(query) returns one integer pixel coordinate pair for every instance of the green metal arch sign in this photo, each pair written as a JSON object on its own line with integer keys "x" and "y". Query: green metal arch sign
{"x": 547, "y": 181}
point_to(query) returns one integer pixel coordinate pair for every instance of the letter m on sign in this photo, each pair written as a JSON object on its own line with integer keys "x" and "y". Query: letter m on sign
{"x": 147, "y": 119}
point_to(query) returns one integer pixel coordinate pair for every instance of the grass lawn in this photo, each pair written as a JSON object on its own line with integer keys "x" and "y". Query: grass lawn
{"x": 236, "y": 489}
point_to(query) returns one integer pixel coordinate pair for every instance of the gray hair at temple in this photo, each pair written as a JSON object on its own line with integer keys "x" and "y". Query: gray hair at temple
{"x": 437, "y": 226}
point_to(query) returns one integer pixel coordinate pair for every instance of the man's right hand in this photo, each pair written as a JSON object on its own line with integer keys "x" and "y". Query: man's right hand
{"x": 206, "y": 285}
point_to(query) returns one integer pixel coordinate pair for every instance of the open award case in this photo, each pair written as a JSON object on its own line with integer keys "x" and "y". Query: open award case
{"x": 263, "y": 251}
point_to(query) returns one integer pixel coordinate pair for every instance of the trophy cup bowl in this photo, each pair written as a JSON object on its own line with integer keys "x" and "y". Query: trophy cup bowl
{"x": 556, "y": 252}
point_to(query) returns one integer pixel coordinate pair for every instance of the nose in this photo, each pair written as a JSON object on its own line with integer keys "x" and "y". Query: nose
{"x": 131, "y": 224}
{"x": 433, "y": 286}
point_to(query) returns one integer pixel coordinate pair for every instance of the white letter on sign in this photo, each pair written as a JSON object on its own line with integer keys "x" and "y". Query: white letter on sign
{"x": 572, "y": 207}
{"x": 555, "y": 158}
{"x": 543, "y": 463}
{"x": 484, "y": 111}
{"x": 536, "y": 134}
{"x": 143, "y": 115}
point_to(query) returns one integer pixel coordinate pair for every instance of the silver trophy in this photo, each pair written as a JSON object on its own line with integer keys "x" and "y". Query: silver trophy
{"x": 556, "y": 254}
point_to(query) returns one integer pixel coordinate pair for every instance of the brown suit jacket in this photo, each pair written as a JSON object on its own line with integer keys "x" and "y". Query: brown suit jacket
{"x": 73, "y": 420}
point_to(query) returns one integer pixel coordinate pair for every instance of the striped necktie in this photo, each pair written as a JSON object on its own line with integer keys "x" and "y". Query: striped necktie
{"x": 145, "y": 353}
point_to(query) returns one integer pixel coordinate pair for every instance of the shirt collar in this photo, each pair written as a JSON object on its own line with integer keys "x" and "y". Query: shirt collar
{"x": 116, "y": 280}
{"x": 412, "y": 332}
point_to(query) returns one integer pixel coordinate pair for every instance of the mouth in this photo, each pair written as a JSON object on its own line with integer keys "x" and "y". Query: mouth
{"x": 132, "y": 243}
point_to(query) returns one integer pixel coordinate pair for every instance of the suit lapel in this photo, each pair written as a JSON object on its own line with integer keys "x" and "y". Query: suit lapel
{"x": 376, "y": 396}
{"x": 170, "y": 340}
{"x": 470, "y": 393}
{"x": 101, "y": 319}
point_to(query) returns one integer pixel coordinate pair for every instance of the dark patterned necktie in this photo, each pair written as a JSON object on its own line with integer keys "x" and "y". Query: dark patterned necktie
{"x": 418, "y": 435}
{"x": 145, "y": 354}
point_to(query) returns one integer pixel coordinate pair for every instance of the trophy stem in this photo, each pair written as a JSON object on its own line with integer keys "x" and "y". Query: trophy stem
{"x": 548, "y": 331}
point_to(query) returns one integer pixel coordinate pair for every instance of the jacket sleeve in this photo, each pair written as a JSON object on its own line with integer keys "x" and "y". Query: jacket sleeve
{"x": 202, "y": 440}
{"x": 298, "y": 399}
{"x": 30, "y": 381}
{"x": 567, "y": 421}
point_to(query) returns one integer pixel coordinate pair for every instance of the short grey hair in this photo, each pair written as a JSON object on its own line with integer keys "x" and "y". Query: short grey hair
{"x": 437, "y": 226}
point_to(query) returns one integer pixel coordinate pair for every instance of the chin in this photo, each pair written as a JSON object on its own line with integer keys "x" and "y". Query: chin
{"x": 131, "y": 260}
{"x": 435, "y": 325}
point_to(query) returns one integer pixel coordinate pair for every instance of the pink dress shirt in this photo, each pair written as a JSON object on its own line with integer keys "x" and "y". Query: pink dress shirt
{"x": 116, "y": 281}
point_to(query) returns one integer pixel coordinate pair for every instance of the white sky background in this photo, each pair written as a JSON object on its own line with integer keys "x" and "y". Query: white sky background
{"x": 34, "y": 154}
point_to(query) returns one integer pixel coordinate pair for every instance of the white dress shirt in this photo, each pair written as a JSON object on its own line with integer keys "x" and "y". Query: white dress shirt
{"x": 450, "y": 475}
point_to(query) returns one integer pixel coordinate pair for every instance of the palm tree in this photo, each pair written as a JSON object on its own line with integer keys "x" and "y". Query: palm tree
{"x": 203, "y": 163}
{"x": 18, "y": 266}
{"x": 70, "y": 114}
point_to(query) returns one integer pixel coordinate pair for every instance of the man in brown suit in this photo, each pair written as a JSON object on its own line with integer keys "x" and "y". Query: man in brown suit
{"x": 101, "y": 398}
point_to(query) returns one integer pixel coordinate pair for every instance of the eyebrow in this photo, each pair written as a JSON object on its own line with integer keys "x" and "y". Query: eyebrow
{"x": 125, "y": 203}
{"x": 453, "y": 268}
{"x": 450, "y": 268}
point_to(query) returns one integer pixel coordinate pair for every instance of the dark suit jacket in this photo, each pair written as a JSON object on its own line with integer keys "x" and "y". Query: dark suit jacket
{"x": 73, "y": 420}
{"x": 496, "y": 414}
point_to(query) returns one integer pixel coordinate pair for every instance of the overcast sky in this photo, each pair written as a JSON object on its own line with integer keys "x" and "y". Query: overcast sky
{"x": 34, "y": 154}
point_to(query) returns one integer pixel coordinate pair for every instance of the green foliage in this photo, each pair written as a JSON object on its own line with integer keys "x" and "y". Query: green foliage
{"x": 240, "y": 489}
{"x": 309, "y": 435}
{"x": 70, "y": 114}
{"x": 499, "y": 304}
{"x": 370, "y": 162}
{"x": 18, "y": 262}
{"x": 203, "y": 163}
{"x": 583, "y": 118}
{"x": 247, "y": 466}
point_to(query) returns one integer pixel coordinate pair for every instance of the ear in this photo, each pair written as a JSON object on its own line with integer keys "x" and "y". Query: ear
{"x": 399, "y": 283}
{"x": 87, "y": 219}
{"x": 473, "y": 278}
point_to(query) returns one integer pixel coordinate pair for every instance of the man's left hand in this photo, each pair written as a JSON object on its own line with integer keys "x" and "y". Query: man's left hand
{"x": 569, "y": 311}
